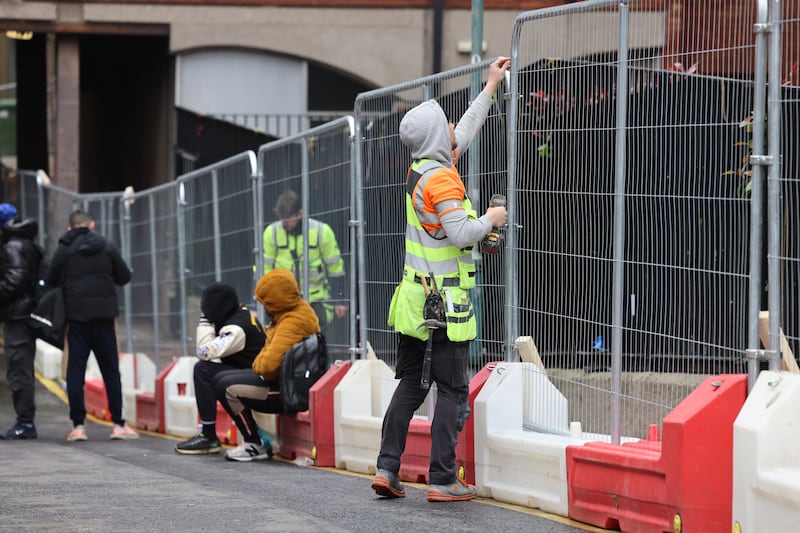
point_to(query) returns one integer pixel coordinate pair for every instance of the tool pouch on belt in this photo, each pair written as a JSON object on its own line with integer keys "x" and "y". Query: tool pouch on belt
{"x": 433, "y": 313}
{"x": 434, "y": 307}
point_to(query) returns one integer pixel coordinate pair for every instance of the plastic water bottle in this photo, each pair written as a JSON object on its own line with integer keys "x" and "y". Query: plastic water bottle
{"x": 304, "y": 460}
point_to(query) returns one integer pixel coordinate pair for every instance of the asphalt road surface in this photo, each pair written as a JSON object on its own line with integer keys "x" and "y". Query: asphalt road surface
{"x": 143, "y": 485}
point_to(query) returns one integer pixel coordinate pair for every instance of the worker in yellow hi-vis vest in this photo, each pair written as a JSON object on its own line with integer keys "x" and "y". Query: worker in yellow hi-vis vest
{"x": 283, "y": 248}
{"x": 431, "y": 309}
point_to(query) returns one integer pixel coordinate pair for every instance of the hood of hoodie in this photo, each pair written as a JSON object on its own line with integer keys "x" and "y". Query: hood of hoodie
{"x": 25, "y": 229}
{"x": 278, "y": 292}
{"x": 219, "y": 302}
{"x": 426, "y": 131}
{"x": 91, "y": 244}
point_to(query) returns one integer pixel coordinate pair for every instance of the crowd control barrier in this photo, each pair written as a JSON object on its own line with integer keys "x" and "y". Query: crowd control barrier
{"x": 360, "y": 400}
{"x": 766, "y": 472}
{"x": 683, "y": 483}
{"x": 310, "y": 433}
{"x": 48, "y": 360}
{"x": 138, "y": 374}
{"x": 150, "y": 405}
{"x": 513, "y": 464}
{"x": 180, "y": 406}
{"x": 94, "y": 391}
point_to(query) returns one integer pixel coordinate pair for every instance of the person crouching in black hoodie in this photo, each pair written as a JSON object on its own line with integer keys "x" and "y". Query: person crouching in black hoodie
{"x": 229, "y": 337}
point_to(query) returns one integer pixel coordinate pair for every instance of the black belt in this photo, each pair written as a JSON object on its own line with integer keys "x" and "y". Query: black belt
{"x": 446, "y": 282}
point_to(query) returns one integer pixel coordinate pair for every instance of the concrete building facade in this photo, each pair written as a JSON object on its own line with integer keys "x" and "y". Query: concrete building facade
{"x": 98, "y": 82}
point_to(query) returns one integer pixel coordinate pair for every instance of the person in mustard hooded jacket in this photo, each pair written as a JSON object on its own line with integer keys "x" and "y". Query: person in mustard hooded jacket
{"x": 242, "y": 391}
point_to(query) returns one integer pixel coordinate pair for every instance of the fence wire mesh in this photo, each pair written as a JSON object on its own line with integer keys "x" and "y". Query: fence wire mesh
{"x": 633, "y": 150}
{"x": 316, "y": 166}
{"x": 384, "y": 162}
{"x": 682, "y": 218}
{"x": 784, "y": 177}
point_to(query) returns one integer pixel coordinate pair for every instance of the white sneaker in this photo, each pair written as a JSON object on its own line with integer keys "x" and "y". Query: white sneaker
{"x": 247, "y": 452}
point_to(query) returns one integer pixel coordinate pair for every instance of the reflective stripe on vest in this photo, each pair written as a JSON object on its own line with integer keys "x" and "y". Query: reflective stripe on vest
{"x": 431, "y": 251}
{"x": 289, "y": 255}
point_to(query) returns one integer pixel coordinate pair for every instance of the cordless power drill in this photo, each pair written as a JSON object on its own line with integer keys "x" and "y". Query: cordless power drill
{"x": 493, "y": 240}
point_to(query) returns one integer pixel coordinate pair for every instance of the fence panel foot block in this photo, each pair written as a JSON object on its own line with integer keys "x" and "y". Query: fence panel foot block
{"x": 360, "y": 401}
{"x": 513, "y": 464}
{"x": 766, "y": 474}
{"x": 647, "y": 486}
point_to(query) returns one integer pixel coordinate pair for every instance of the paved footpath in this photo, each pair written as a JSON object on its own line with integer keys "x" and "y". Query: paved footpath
{"x": 143, "y": 485}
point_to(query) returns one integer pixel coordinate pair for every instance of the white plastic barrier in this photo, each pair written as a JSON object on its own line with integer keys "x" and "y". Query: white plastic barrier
{"x": 766, "y": 466}
{"x": 514, "y": 465}
{"x": 180, "y": 409}
{"x": 92, "y": 368}
{"x": 138, "y": 374}
{"x": 48, "y": 360}
{"x": 360, "y": 401}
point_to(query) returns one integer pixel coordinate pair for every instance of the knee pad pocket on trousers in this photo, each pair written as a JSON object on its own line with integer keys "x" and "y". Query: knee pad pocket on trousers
{"x": 463, "y": 413}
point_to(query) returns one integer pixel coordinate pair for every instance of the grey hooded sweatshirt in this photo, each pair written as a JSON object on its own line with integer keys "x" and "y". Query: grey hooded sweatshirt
{"x": 425, "y": 130}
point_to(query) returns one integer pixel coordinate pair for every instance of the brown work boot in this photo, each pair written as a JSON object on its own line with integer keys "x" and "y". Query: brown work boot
{"x": 387, "y": 484}
{"x": 455, "y": 492}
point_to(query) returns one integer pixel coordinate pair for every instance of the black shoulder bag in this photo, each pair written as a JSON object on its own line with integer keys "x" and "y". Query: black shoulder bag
{"x": 48, "y": 320}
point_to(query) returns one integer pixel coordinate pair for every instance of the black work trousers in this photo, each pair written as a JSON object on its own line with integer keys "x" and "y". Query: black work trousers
{"x": 20, "y": 348}
{"x": 449, "y": 367}
{"x": 99, "y": 337}
{"x": 205, "y": 375}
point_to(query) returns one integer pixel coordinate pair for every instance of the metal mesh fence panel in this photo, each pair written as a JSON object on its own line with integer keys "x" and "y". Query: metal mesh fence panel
{"x": 653, "y": 178}
{"x": 315, "y": 166}
{"x": 633, "y": 158}
{"x": 156, "y": 319}
{"x": 383, "y": 164}
{"x": 784, "y": 172}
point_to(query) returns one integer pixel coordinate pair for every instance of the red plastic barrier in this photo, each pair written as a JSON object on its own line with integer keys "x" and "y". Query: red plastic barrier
{"x": 226, "y": 429}
{"x": 150, "y": 405}
{"x": 415, "y": 461}
{"x": 146, "y": 411}
{"x": 95, "y": 400}
{"x": 310, "y": 433}
{"x": 683, "y": 483}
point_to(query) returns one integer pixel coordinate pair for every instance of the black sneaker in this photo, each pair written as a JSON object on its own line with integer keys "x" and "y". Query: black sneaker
{"x": 20, "y": 432}
{"x": 198, "y": 445}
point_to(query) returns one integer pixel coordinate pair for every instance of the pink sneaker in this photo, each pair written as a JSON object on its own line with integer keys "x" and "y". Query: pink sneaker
{"x": 78, "y": 433}
{"x": 123, "y": 433}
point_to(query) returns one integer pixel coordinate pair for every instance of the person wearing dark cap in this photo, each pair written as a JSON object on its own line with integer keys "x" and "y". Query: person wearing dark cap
{"x": 19, "y": 269}
{"x": 229, "y": 337}
{"x": 88, "y": 268}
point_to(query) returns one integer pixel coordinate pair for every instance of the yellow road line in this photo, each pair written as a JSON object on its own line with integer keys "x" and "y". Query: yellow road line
{"x": 56, "y": 389}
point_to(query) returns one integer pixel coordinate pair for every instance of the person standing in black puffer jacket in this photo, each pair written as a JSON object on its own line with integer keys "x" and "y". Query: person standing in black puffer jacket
{"x": 19, "y": 269}
{"x": 88, "y": 269}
